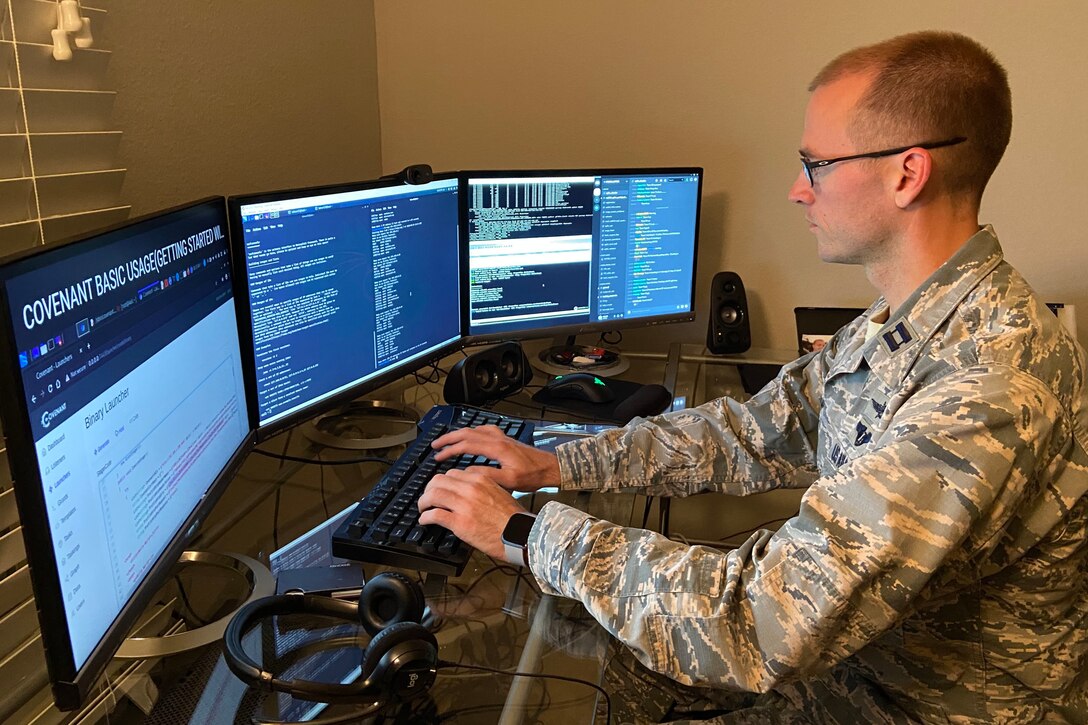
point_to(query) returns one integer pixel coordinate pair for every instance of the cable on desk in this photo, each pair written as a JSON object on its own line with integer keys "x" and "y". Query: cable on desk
{"x": 755, "y": 528}
{"x": 324, "y": 503}
{"x": 541, "y": 408}
{"x": 646, "y": 510}
{"x": 547, "y": 702}
{"x": 718, "y": 543}
{"x": 354, "y": 716}
{"x": 286, "y": 445}
{"x": 316, "y": 461}
{"x": 505, "y": 569}
{"x": 319, "y": 462}
{"x": 433, "y": 376}
{"x": 185, "y": 600}
{"x": 445, "y": 664}
{"x": 603, "y": 339}
{"x": 276, "y": 519}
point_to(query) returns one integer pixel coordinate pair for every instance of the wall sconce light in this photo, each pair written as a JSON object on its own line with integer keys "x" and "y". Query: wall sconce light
{"x": 70, "y": 21}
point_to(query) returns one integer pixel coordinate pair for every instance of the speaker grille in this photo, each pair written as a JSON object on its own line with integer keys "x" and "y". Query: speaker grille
{"x": 488, "y": 375}
{"x": 728, "y": 331}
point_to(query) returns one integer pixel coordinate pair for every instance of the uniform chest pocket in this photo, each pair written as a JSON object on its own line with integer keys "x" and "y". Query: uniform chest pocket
{"x": 852, "y": 423}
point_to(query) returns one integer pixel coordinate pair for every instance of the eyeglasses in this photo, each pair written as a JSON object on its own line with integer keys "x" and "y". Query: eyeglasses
{"x": 810, "y": 166}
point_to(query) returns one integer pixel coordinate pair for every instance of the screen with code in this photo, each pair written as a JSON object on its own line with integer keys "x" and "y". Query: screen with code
{"x": 346, "y": 285}
{"x": 570, "y": 249}
{"x": 131, "y": 378}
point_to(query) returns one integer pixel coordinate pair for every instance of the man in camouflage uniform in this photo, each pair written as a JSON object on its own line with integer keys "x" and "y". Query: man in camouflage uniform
{"x": 937, "y": 569}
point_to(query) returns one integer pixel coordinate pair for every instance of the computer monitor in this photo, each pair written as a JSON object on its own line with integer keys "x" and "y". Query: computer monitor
{"x": 577, "y": 251}
{"x": 348, "y": 287}
{"x": 817, "y": 325}
{"x": 126, "y": 416}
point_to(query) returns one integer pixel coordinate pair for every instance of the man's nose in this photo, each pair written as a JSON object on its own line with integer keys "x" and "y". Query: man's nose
{"x": 801, "y": 190}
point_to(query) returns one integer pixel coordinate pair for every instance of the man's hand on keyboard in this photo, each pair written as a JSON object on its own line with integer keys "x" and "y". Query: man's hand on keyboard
{"x": 524, "y": 468}
{"x": 472, "y": 505}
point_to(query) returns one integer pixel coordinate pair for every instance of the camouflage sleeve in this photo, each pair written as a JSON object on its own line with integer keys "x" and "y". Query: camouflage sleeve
{"x": 767, "y": 442}
{"x": 939, "y": 490}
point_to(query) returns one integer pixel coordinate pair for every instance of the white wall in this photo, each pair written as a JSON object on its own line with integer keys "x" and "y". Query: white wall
{"x": 242, "y": 96}
{"x": 568, "y": 83}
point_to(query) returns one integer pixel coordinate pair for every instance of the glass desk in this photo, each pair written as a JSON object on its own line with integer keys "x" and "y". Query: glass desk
{"x": 492, "y": 615}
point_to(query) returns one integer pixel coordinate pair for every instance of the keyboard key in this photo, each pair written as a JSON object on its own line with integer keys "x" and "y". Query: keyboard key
{"x": 432, "y": 536}
{"x": 385, "y": 528}
{"x": 446, "y": 546}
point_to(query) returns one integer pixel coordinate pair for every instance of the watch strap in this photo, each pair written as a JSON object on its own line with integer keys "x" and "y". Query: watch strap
{"x": 515, "y": 545}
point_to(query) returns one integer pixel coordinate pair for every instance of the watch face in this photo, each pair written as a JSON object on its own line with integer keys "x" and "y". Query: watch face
{"x": 517, "y": 529}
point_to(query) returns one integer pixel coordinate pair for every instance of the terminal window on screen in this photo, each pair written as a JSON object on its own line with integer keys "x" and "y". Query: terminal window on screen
{"x": 131, "y": 372}
{"x": 555, "y": 251}
{"x": 343, "y": 287}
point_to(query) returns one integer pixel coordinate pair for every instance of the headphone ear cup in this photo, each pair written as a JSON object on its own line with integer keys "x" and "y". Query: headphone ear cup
{"x": 388, "y": 599}
{"x": 414, "y": 651}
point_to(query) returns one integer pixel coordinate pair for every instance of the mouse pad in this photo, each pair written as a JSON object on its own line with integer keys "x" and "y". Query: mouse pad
{"x": 599, "y": 411}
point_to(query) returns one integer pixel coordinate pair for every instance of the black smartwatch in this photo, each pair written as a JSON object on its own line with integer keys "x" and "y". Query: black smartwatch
{"x": 515, "y": 538}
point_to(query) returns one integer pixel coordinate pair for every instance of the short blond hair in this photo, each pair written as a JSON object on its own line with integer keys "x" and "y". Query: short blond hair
{"x": 932, "y": 86}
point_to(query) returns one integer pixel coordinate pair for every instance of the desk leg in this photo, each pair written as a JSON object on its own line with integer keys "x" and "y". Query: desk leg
{"x": 514, "y": 708}
{"x": 672, "y": 368}
{"x": 433, "y": 584}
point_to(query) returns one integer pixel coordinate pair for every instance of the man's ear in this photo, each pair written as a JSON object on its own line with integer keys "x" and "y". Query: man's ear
{"x": 911, "y": 176}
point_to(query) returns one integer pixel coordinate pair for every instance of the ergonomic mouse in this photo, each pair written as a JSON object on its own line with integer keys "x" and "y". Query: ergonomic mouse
{"x": 580, "y": 386}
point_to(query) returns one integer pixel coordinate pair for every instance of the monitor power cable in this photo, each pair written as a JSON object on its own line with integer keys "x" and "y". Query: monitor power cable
{"x": 322, "y": 462}
{"x": 375, "y": 707}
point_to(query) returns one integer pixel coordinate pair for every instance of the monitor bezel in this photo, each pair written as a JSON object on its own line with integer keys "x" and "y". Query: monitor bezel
{"x": 571, "y": 330}
{"x": 823, "y": 321}
{"x": 393, "y": 372}
{"x": 70, "y": 685}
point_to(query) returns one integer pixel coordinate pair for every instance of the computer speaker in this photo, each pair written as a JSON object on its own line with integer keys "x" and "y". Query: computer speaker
{"x": 728, "y": 332}
{"x": 488, "y": 375}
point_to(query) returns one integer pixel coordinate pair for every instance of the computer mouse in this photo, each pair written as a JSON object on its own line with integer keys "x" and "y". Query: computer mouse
{"x": 580, "y": 386}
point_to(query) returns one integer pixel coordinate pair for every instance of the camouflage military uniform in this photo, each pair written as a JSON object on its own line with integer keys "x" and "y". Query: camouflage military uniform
{"x": 938, "y": 567}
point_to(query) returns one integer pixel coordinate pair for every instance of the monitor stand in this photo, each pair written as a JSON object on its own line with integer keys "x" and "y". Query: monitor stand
{"x": 261, "y": 584}
{"x": 565, "y": 357}
{"x": 364, "y": 425}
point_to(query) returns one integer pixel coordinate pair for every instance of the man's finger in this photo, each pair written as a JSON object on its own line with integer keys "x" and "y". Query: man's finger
{"x": 493, "y": 448}
{"x": 439, "y": 492}
{"x": 439, "y": 516}
{"x": 461, "y": 434}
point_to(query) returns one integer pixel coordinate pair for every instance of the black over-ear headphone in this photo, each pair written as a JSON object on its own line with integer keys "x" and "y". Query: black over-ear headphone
{"x": 399, "y": 663}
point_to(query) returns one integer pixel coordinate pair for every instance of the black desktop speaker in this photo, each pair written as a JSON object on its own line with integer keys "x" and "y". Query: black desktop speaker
{"x": 489, "y": 375}
{"x": 728, "y": 332}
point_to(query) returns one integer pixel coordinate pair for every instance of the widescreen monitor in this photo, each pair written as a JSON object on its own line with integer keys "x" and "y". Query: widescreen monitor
{"x": 578, "y": 251}
{"x": 126, "y": 415}
{"x": 347, "y": 288}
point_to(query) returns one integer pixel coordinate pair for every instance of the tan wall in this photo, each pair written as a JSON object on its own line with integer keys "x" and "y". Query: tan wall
{"x": 571, "y": 83}
{"x": 247, "y": 95}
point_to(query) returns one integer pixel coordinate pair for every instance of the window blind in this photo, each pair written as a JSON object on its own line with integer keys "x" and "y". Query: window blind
{"x": 58, "y": 177}
{"x": 58, "y": 151}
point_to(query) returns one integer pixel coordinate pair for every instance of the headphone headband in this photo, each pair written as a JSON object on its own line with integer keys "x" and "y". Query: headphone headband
{"x": 400, "y": 661}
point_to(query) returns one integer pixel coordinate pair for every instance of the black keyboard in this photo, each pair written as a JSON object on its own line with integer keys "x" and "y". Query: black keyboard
{"x": 384, "y": 528}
